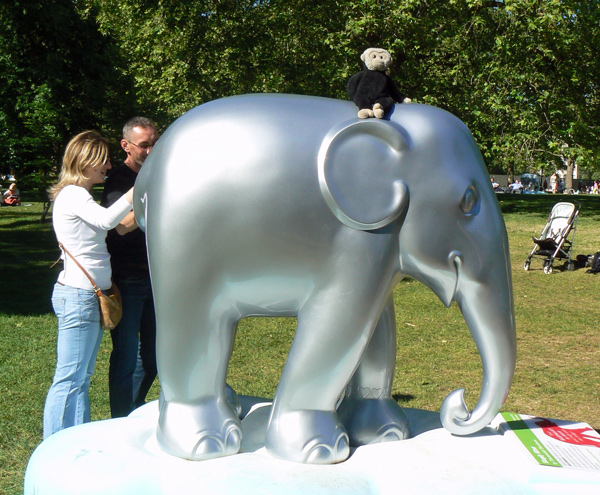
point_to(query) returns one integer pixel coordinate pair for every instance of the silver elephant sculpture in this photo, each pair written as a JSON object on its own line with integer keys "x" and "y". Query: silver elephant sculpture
{"x": 282, "y": 205}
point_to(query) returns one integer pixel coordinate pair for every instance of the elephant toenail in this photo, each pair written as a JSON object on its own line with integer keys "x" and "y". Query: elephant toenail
{"x": 207, "y": 448}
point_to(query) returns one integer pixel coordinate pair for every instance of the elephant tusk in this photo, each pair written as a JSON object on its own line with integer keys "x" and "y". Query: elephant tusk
{"x": 455, "y": 258}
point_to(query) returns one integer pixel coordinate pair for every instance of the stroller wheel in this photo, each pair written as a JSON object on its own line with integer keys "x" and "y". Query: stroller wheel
{"x": 570, "y": 266}
{"x": 526, "y": 266}
{"x": 548, "y": 269}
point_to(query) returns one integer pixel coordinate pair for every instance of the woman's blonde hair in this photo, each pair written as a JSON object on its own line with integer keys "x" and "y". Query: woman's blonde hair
{"x": 87, "y": 149}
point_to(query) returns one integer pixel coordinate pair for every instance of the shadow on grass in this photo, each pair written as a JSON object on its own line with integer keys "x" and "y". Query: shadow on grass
{"x": 27, "y": 250}
{"x": 541, "y": 204}
{"x": 403, "y": 397}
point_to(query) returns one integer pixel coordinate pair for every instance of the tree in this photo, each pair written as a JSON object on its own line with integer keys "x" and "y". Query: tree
{"x": 185, "y": 54}
{"x": 546, "y": 64}
{"x": 58, "y": 77}
{"x": 523, "y": 74}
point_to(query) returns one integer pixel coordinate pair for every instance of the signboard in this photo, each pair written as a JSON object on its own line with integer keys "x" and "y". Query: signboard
{"x": 555, "y": 443}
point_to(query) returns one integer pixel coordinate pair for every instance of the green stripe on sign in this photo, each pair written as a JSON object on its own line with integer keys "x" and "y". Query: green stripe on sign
{"x": 530, "y": 440}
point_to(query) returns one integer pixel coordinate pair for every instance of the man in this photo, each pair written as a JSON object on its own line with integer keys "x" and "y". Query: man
{"x": 516, "y": 187}
{"x": 134, "y": 338}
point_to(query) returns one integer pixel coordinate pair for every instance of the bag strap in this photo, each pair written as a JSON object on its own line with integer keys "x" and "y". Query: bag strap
{"x": 96, "y": 288}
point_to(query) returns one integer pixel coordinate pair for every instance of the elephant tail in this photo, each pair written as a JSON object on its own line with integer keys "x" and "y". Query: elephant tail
{"x": 139, "y": 208}
{"x": 140, "y": 199}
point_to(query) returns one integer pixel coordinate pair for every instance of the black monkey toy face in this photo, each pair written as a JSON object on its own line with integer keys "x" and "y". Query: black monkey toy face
{"x": 376, "y": 59}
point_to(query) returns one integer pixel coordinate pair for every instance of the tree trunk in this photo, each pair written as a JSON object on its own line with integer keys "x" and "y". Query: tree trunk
{"x": 570, "y": 163}
{"x": 47, "y": 205}
{"x": 511, "y": 173}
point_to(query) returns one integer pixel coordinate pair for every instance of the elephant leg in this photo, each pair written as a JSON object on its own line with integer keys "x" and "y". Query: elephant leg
{"x": 194, "y": 342}
{"x": 304, "y": 426}
{"x": 368, "y": 411}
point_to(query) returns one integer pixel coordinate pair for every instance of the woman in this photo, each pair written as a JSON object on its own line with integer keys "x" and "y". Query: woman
{"x": 12, "y": 196}
{"x": 80, "y": 224}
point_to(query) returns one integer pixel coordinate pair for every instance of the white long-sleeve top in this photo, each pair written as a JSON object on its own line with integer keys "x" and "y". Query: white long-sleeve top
{"x": 81, "y": 224}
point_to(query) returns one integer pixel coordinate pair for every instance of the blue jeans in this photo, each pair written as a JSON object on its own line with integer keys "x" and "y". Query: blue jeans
{"x": 133, "y": 359}
{"x": 79, "y": 337}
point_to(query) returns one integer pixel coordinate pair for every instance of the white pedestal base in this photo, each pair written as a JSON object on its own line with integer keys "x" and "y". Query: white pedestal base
{"x": 121, "y": 457}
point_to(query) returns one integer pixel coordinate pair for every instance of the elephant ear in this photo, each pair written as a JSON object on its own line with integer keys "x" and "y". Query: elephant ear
{"x": 360, "y": 173}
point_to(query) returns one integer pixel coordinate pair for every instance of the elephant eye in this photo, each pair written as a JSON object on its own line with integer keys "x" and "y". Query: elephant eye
{"x": 469, "y": 200}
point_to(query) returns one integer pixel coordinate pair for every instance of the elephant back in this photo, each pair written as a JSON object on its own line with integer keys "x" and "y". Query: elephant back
{"x": 242, "y": 148}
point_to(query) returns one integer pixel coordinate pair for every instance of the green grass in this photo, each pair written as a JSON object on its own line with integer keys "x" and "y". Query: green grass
{"x": 558, "y": 366}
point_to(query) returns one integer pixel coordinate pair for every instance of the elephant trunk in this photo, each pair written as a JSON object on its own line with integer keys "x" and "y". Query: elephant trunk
{"x": 489, "y": 313}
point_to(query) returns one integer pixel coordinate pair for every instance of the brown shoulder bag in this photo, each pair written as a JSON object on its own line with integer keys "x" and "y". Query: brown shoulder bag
{"x": 111, "y": 304}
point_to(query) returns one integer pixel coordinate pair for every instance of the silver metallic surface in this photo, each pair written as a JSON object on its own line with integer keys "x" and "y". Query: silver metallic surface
{"x": 279, "y": 205}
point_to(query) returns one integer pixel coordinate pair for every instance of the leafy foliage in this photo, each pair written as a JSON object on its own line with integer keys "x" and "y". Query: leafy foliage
{"x": 58, "y": 77}
{"x": 184, "y": 54}
{"x": 523, "y": 74}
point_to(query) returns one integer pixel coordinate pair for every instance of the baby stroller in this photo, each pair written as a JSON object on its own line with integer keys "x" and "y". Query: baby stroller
{"x": 553, "y": 242}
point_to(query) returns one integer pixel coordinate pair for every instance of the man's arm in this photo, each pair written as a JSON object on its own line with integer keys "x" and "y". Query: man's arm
{"x": 127, "y": 225}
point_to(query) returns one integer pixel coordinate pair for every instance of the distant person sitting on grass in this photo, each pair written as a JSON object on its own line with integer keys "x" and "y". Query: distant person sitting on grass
{"x": 516, "y": 187}
{"x": 12, "y": 196}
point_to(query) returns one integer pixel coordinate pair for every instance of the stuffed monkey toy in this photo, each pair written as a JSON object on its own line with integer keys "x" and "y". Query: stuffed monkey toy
{"x": 373, "y": 90}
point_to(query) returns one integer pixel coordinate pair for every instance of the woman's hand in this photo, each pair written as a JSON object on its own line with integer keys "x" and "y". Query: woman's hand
{"x": 129, "y": 195}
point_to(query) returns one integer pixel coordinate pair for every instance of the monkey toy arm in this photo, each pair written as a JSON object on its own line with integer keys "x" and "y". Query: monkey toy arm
{"x": 394, "y": 92}
{"x": 353, "y": 84}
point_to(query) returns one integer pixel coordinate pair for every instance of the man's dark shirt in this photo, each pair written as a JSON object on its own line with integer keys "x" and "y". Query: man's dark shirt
{"x": 127, "y": 252}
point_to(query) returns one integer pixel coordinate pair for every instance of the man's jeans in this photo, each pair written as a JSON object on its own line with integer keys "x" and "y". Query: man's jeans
{"x": 79, "y": 337}
{"x": 134, "y": 338}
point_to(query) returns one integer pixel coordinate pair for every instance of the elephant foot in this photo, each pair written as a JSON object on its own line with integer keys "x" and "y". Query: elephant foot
{"x": 309, "y": 437}
{"x": 365, "y": 113}
{"x": 373, "y": 420}
{"x": 378, "y": 111}
{"x": 198, "y": 431}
